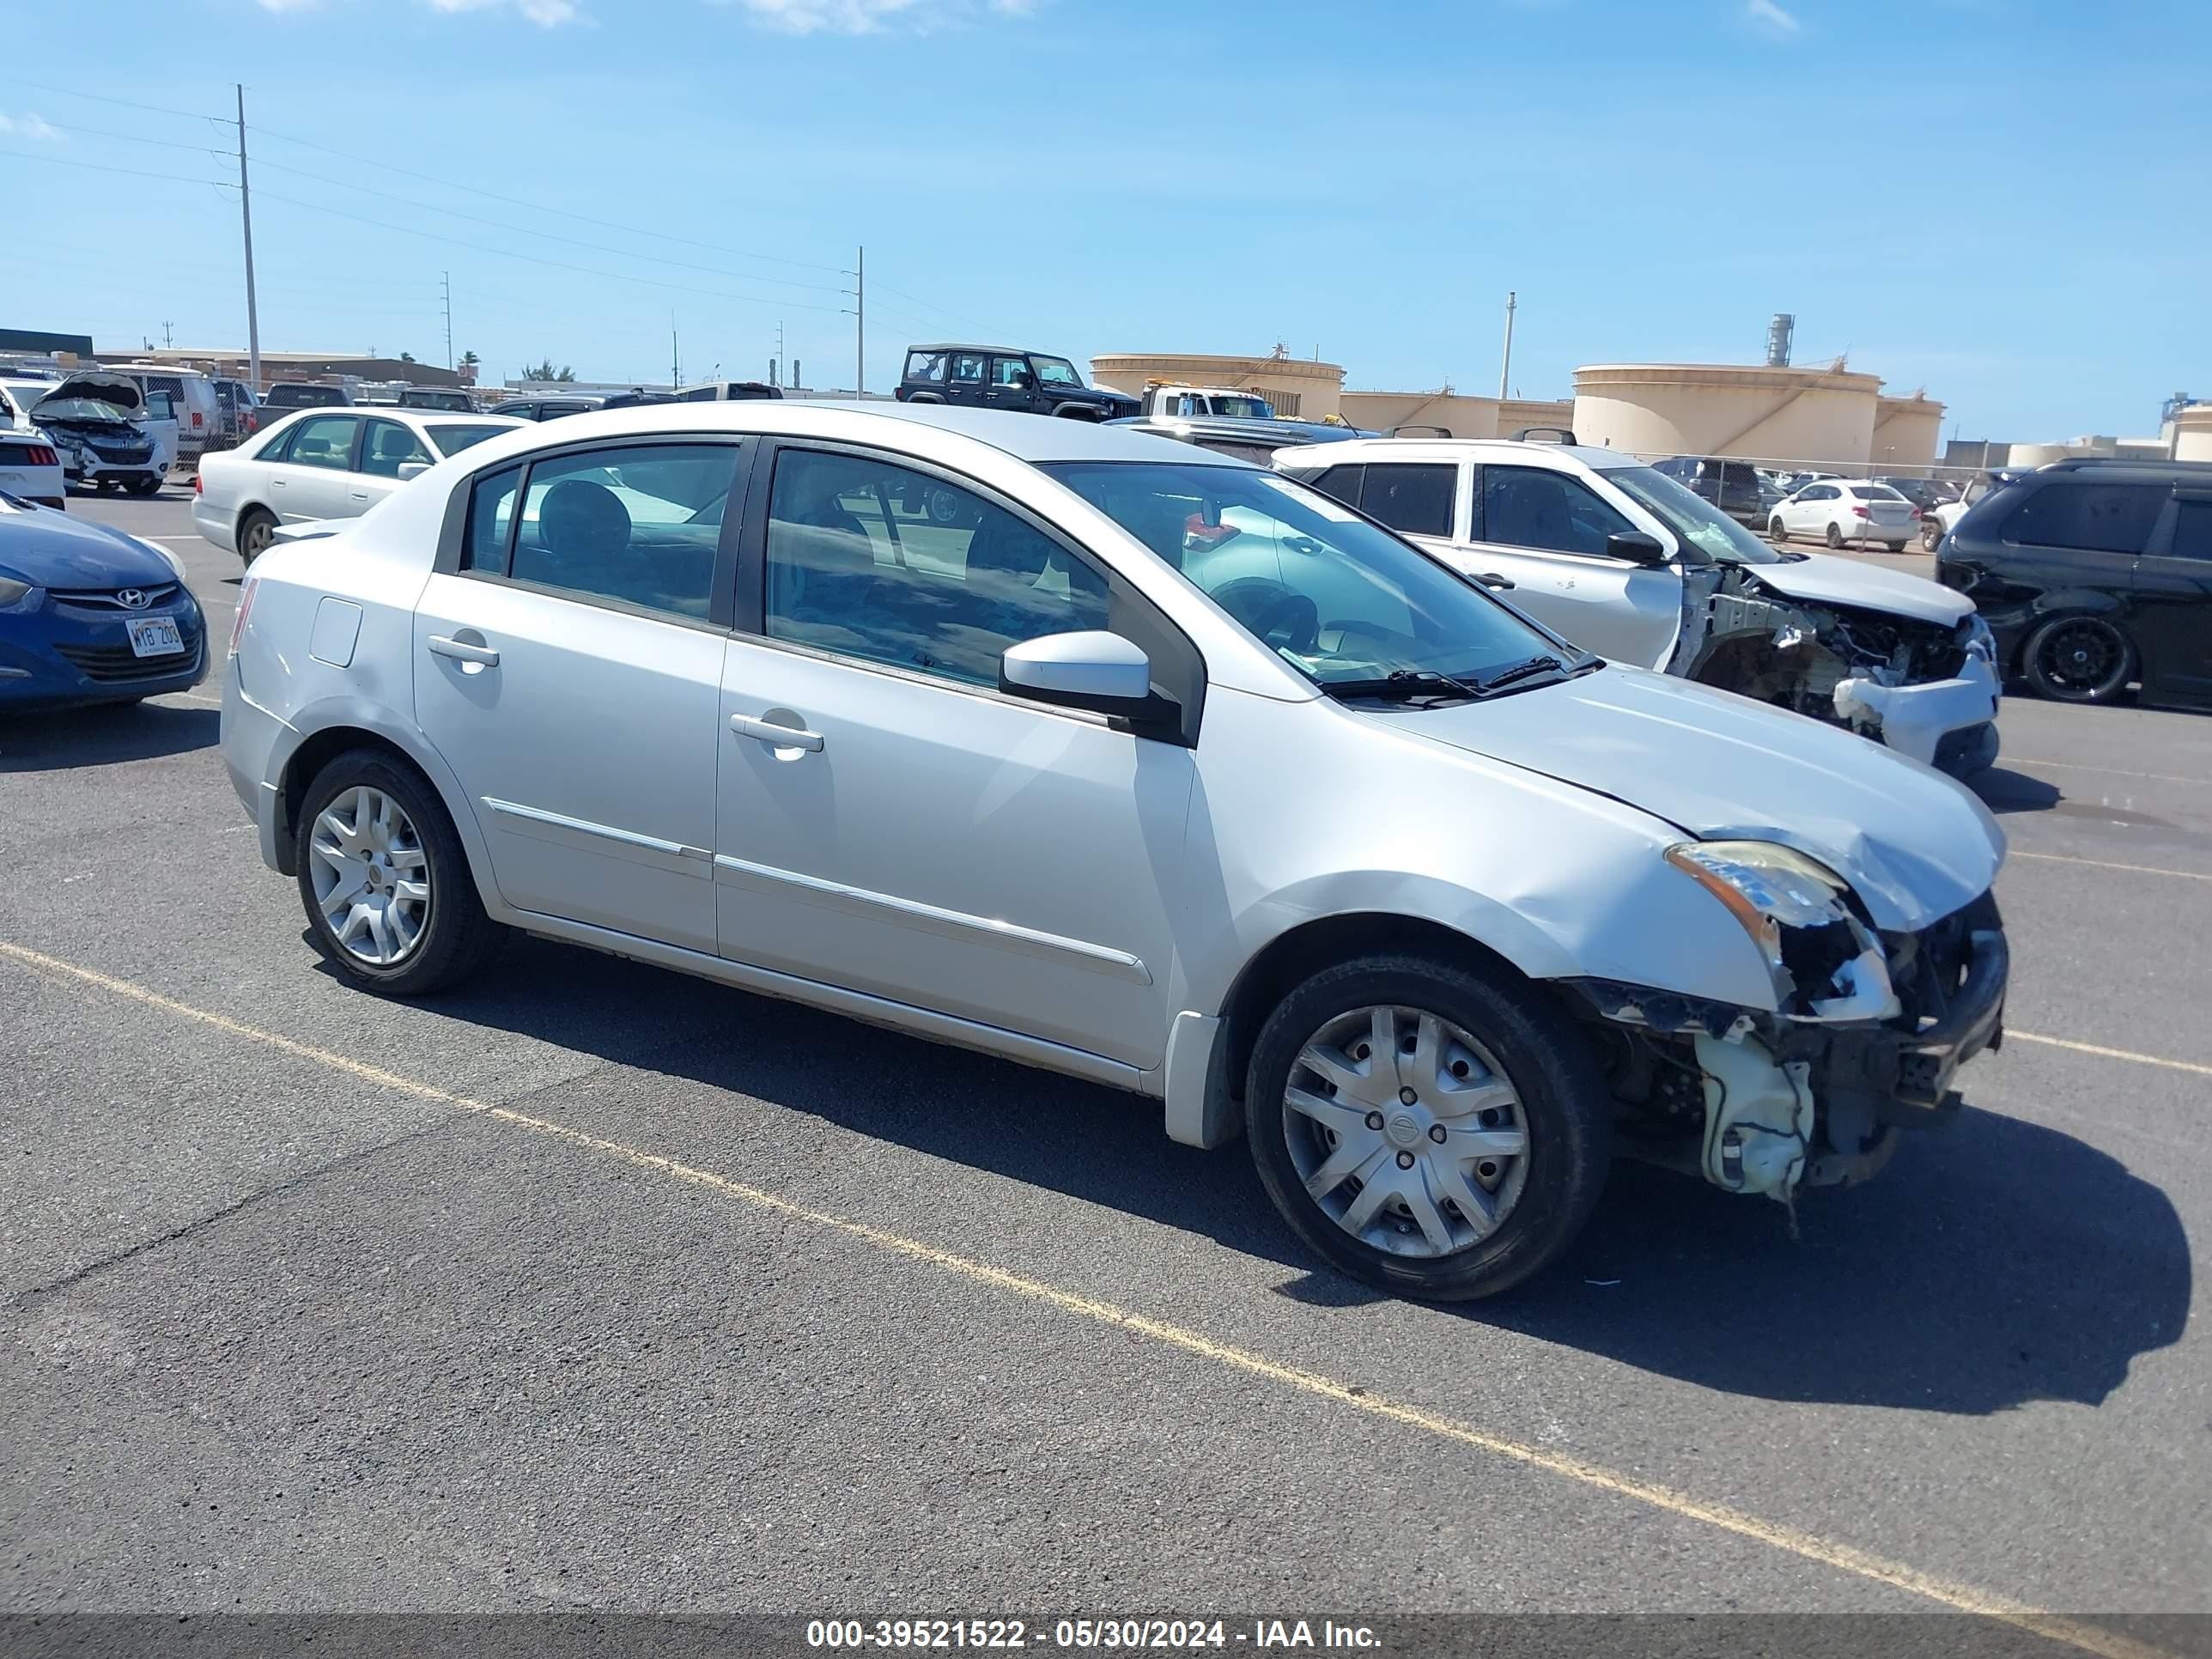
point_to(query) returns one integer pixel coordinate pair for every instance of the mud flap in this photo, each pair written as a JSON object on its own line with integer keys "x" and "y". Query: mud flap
{"x": 1758, "y": 1118}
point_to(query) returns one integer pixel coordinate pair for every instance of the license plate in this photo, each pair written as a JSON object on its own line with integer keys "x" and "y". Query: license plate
{"x": 154, "y": 637}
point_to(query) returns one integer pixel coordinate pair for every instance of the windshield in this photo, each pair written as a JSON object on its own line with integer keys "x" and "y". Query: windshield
{"x": 1242, "y": 409}
{"x": 1054, "y": 371}
{"x": 451, "y": 437}
{"x": 79, "y": 409}
{"x": 1338, "y": 598}
{"x": 1696, "y": 522}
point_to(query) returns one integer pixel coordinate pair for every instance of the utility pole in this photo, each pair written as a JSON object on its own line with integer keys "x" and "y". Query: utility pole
{"x": 776, "y": 379}
{"x": 860, "y": 310}
{"x": 165, "y": 339}
{"x": 445, "y": 286}
{"x": 675, "y": 357}
{"x": 1505, "y": 368}
{"x": 245, "y": 218}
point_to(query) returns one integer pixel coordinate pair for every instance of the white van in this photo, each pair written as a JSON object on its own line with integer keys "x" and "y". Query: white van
{"x": 192, "y": 397}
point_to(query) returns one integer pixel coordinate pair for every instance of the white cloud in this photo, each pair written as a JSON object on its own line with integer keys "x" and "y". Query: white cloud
{"x": 543, "y": 13}
{"x": 29, "y": 126}
{"x": 1771, "y": 17}
{"x": 867, "y": 16}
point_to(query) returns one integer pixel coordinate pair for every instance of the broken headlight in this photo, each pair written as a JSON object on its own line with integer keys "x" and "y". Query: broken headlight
{"x": 1826, "y": 963}
{"x": 1978, "y": 639}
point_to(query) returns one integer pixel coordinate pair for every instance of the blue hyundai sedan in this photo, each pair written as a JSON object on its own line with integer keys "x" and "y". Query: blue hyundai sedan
{"x": 90, "y": 615}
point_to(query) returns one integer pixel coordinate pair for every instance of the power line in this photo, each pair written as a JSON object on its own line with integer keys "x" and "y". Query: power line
{"x": 96, "y": 167}
{"x": 125, "y": 103}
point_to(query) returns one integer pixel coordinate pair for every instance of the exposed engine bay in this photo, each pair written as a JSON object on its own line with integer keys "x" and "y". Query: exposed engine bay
{"x": 1839, "y": 664}
{"x": 1871, "y": 1030}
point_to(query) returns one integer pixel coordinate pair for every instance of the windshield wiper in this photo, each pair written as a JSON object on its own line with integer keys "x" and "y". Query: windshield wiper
{"x": 1404, "y": 686}
{"x": 1515, "y": 673}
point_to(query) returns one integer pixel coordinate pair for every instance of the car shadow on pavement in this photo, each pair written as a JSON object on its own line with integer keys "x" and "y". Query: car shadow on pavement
{"x": 2004, "y": 791}
{"x": 1994, "y": 1262}
{"x": 67, "y": 738}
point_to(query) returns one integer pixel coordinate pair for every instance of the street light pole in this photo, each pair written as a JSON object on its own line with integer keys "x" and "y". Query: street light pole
{"x": 245, "y": 217}
{"x": 1505, "y": 368}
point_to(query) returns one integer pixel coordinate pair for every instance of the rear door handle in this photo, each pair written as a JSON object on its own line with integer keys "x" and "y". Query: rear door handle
{"x": 462, "y": 651}
{"x": 781, "y": 737}
{"x": 1492, "y": 579}
{"x": 358, "y": 495}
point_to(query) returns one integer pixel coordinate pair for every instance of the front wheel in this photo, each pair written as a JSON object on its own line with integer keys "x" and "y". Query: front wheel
{"x": 1930, "y": 534}
{"x": 145, "y": 486}
{"x": 389, "y": 897}
{"x": 1437, "y": 1131}
{"x": 2079, "y": 659}
{"x": 1776, "y": 533}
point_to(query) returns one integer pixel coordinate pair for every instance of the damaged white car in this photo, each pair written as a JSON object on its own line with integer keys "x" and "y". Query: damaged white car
{"x": 1628, "y": 563}
{"x": 1115, "y": 758}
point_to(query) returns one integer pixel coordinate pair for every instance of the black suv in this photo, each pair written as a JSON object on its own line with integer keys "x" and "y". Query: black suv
{"x": 1002, "y": 377}
{"x": 2092, "y": 573}
{"x": 1732, "y": 486}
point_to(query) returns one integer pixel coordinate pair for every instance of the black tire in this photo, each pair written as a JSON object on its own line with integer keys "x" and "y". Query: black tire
{"x": 146, "y": 486}
{"x": 1563, "y": 1107}
{"x": 1894, "y": 547}
{"x": 1775, "y": 533}
{"x": 1931, "y": 535}
{"x": 458, "y": 937}
{"x": 1835, "y": 537}
{"x": 2078, "y": 658}
{"x": 255, "y": 527}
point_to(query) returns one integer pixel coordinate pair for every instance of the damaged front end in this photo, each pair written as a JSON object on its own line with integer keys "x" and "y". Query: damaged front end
{"x": 1868, "y": 1031}
{"x": 1925, "y": 689}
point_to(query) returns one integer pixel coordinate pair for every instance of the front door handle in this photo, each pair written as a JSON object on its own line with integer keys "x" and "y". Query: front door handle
{"x": 780, "y": 736}
{"x": 461, "y": 651}
{"x": 358, "y": 495}
{"x": 1492, "y": 579}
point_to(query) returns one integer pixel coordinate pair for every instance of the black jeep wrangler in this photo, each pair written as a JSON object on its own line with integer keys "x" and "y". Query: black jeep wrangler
{"x": 1002, "y": 377}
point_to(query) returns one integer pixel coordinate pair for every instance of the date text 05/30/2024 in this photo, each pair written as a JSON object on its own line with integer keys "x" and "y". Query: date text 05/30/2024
{"x": 1110, "y": 1634}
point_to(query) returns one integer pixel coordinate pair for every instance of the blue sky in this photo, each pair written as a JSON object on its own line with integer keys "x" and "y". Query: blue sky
{"x": 2002, "y": 200}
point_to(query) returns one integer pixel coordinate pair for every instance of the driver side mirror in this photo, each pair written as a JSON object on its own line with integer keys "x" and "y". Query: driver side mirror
{"x": 1092, "y": 669}
{"x": 1636, "y": 546}
{"x": 412, "y": 469}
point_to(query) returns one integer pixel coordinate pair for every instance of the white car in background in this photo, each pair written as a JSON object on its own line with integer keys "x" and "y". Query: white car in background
{"x": 323, "y": 464}
{"x": 952, "y": 729}
{"x": 1633, "y": 565}
{"x": 30, "y": 465}
{"x": 1842, "y": 510}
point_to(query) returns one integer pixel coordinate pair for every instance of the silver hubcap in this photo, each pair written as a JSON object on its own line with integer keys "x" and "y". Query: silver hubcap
{"x": 1406, "y": 1131}
{"x": 372, "y": 880}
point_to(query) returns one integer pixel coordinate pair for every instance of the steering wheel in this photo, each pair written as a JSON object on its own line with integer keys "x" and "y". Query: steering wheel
{"x": 1284, "y": 619}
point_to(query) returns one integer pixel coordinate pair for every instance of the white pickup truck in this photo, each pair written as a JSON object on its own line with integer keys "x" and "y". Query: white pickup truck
{"x": 1205, "y": 402}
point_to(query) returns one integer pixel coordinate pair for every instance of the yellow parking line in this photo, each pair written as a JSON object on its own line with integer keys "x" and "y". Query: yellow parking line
{"x": 2109, "y": 771}
{"x": 2098, "y": 1049}
{"x": 1964, "y": 1598}
{"x": 2107, "y": 864}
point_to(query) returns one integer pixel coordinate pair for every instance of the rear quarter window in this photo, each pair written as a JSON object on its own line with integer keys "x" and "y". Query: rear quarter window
{"x": 2096, "y": 518}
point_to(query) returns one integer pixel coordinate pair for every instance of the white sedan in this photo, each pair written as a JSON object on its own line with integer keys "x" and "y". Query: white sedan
{"x": 948, "y": 729}
{"x": 1841, "y": 510}
{"x": 323, "y": 463}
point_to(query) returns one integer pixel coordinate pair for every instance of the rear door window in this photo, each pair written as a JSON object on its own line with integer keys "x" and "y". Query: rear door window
{"x": 1342, "y": 482}
{"x": 1416, "y": 499}
{"x": 2097, "y": 518}
{"x": 2193, "y": 528}
{"x": 324, "y": 441}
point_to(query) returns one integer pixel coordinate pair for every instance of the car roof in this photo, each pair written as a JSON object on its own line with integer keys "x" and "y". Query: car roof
{"x": 969, "y": 345}
{"x": 1037, "y": 438}
{"x": 1521, "y": 451}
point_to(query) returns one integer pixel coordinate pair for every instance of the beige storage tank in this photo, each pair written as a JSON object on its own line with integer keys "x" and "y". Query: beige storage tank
{"x": 1299, "y": 388}
{"x": 2192, "y": 432}
{"x": 1906, "y": 433}
{"x": 1463, "y": 416}
{"x": 1809, "y": 417}
{"x": 1517, "y": 415}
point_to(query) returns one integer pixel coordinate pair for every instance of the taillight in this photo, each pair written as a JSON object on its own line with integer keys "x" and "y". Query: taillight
{"x": 42, "y": 456}
{"x": 1858, "y": 512}
{"x": 1916, "y": 515}
{"x": 245, "y": 609}
{"x": 199, "y": 485}
{"x": 198, "y": 419}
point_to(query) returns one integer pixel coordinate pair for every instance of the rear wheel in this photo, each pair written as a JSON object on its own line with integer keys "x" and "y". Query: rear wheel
{"x": 2079, "y": 659}
{"x": 1930, "y": 534}
{"x": 390, "y": 901}
{"x": 257, "y": 527}
{"x": 1835, "y": 535}
{"x": 1434, "y": 1130}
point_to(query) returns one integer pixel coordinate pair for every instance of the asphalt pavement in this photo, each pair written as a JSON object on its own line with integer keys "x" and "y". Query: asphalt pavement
{"x": 595, "y": 1287}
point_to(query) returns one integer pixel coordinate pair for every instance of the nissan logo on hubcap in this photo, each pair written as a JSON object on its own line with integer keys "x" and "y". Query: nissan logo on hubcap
{"x": 134, "y": 598}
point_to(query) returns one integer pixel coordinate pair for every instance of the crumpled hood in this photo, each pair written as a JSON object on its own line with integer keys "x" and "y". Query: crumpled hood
{"x": 118, "y": 389}
{"x": 55, "y": 549}
{"x": 1822, "y": 579}
{"x": 1915, "y": 845}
